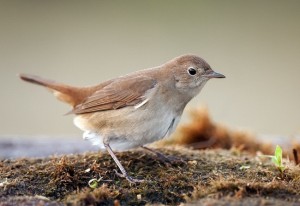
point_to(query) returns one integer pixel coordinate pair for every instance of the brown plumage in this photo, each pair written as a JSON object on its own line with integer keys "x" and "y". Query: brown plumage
{"x": 119, "y": 93}
{"x": 69, "y": 94}
{"x": 113, "y": 94}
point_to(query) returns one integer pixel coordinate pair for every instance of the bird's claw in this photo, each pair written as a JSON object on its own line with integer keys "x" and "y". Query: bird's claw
{"x": 129, "y": 178}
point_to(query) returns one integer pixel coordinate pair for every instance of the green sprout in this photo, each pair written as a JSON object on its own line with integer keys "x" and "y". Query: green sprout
{"x": 93, "y": 183}
{"x": 277, "y": 158}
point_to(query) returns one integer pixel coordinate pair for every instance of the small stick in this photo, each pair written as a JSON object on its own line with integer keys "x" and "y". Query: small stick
{"x": 295, "y": 153}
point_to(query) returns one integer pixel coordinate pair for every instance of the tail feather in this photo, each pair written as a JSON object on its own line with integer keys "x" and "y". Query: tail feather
{"x": 69, "y": 94}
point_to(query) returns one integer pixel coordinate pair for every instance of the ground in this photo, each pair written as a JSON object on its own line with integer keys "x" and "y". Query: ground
{"x": 214, "y": 166}
{"x": 207, "y": 177}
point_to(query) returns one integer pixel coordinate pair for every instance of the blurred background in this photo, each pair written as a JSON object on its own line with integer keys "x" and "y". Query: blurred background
{"x": 256, "y": 44}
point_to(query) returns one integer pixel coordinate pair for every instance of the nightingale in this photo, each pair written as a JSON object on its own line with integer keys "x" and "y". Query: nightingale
{"x": 135, "y": 109}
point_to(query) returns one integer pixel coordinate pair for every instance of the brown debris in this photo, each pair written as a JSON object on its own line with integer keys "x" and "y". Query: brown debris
{"x": 201, "y": 133}
{"x": 296, "y": 159}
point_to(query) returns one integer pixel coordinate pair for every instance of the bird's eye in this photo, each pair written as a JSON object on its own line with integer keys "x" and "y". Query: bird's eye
{"x": 192, "y": 71}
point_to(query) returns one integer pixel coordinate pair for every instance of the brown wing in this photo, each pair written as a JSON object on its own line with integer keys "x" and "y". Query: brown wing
{"x": 120, "y": 93}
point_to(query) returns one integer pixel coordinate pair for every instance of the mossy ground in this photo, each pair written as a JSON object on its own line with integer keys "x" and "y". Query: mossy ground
{"x": 227, "y": 172}
{"x": 202, "y": 176}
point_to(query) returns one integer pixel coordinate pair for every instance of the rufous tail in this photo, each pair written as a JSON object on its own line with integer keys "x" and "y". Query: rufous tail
{"x": 69, "y": 94}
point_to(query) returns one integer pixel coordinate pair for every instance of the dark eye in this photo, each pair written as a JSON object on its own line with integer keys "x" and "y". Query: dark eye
{"x": 192, "y": 71}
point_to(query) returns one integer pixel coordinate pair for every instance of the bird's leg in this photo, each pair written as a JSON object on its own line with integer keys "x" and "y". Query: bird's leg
{"x": 161, "y": 156}
{"x": 122, "y": 169}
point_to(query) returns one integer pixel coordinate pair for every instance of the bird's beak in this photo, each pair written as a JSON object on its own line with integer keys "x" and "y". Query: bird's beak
{"x": 213, "y": 74}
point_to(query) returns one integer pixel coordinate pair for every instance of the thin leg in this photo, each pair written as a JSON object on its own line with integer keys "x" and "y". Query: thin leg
{"x": 122, "y": 169}
{"x": 161, "y": 155}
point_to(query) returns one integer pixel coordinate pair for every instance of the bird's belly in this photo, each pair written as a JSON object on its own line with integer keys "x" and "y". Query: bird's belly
{"x": 141, "y": 134}
{"x": 124, "y": 129}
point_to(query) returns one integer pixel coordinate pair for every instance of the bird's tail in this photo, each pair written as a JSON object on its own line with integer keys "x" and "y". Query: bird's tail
{"x": 69, "y": 94}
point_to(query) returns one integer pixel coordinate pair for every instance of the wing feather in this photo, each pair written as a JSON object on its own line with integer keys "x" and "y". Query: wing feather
{"x": 123, "y": 92}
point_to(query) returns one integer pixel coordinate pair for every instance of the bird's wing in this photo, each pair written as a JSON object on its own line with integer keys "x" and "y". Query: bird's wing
{"x": 129, "y": 91}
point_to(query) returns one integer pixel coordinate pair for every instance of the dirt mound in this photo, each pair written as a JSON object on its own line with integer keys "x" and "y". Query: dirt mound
{"x": 208, "y": 175}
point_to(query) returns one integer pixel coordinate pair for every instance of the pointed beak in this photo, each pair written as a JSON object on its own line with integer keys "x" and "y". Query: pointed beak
{"x": 213, "y": 74}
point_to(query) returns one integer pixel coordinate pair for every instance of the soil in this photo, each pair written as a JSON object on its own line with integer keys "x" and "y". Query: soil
{"x": 202, "y": 177}
{"x": 213, "y": 166}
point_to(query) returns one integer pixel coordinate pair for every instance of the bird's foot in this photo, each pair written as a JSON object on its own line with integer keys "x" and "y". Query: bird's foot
{"x": 164, "y": 158}
{"x": 129, "y": 178}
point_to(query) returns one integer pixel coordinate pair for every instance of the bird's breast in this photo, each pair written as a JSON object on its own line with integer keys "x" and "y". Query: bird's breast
{"x": 129, "y": 126}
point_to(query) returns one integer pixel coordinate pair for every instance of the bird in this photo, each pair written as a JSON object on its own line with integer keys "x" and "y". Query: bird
{"x": 136, "y": 109}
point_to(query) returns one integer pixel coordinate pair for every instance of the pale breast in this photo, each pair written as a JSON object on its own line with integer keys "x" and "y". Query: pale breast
{"x": 134, "y": 126}
{"x": 130, "y": 127}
